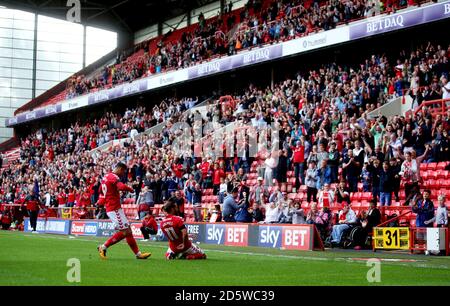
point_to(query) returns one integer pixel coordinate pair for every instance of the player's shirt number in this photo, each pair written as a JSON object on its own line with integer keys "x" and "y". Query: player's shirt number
{"x": 172, "y": 235}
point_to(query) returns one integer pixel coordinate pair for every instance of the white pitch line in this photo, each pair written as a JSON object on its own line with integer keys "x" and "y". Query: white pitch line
{"x": 349, "y": 260}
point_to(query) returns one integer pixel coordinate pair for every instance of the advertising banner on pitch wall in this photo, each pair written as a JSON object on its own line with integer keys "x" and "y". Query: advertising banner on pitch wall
{"x": 292, "y": 237}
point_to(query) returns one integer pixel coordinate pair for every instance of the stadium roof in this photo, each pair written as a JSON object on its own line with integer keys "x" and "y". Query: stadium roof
{"x": 117, "y": 15}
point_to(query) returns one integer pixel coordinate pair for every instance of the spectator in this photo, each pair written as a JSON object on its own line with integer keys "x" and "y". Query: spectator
{"x": 347, "y": 218}
{"x": 326, "y": 196}
{"x": 216, "y": 214}
{"x": 223, "y": 188}
{"x": 311, "y": 182}
{"x": 297, "y": 214}
{"x": 179, "y": 200}
{"x": 197, "y": 202}
{"x": 149, "y": 227}
{"x": 386, "y": 183}
{"x": 342, "y": 193}
{"x": 145, "y": 202}
{"x": 243, "y": 214}
{"x": 312, "y": 215}
{"x": 410, "y": 170}
{"x": 272, "y": 212}
{"x": 298, "y": 160}
{"x": 372, "y": 217}
{"x": 351, "y": 167}
{"x": 259, "y": 193}
{"x": 5, "y": 219}
{"x": 424, "y": 208}
{"x": 257, "y": 213}
{"x": 441, "y": 217}
{"x": 230, "y": 206}
{"x": 323, "y": 174}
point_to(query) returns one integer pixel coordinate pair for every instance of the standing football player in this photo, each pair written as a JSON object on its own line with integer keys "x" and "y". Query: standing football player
{"x": 110, "y": 198}
{"x": 174, "y": 229}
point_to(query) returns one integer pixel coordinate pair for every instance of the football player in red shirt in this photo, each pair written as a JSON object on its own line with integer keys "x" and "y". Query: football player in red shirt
{"x": 110, "y": 198}
{"x": 174, "y": 229}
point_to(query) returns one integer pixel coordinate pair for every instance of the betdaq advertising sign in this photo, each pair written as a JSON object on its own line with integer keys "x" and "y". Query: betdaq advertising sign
{"x": 215, "y": 234}
{"x": 256, "y": 56}
{"x": 84, "y": 228}
{"x": 401, "y": 20}
{"x": 297, "y": 238}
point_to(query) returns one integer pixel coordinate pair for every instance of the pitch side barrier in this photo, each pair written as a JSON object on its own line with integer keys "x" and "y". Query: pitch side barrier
{"x": 275, "y": 236}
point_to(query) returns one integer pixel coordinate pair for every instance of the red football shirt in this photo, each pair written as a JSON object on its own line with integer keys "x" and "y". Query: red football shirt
{"x": 299, "y": 154}
{"x": 109, "y": 192}
{"x": 172, "y": 226}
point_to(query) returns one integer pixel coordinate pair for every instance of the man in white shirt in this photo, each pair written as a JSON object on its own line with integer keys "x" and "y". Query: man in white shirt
{"x": 272, "y": 213}
{"x": 445, "y": 89}
{"x": 346, "y": 217}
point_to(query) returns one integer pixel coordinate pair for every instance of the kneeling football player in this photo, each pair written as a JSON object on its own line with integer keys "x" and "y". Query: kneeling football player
{"x": 174, "y": 229}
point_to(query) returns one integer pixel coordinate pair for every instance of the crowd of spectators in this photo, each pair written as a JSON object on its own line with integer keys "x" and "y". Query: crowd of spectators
{"x": 326, "y": 138}
{"x": 258, "y": 24}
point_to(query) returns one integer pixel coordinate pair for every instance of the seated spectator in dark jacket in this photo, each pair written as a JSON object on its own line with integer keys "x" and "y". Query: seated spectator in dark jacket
{"x": 257, "y": 213}
{"x": 372, "y": 217}
{"x": 149, "y": 227}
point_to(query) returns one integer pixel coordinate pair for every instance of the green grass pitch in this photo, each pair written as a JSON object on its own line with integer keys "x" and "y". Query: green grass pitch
{"x": 27, "y": 259}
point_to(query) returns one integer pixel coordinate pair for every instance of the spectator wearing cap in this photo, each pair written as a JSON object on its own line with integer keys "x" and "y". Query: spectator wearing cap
{"x": 259, "y": 193}
{"x": 230, "y": 206}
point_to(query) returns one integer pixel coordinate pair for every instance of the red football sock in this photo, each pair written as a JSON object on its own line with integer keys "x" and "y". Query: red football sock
{"x": 132, "y": 243}
{"x": 114, "y": 239}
